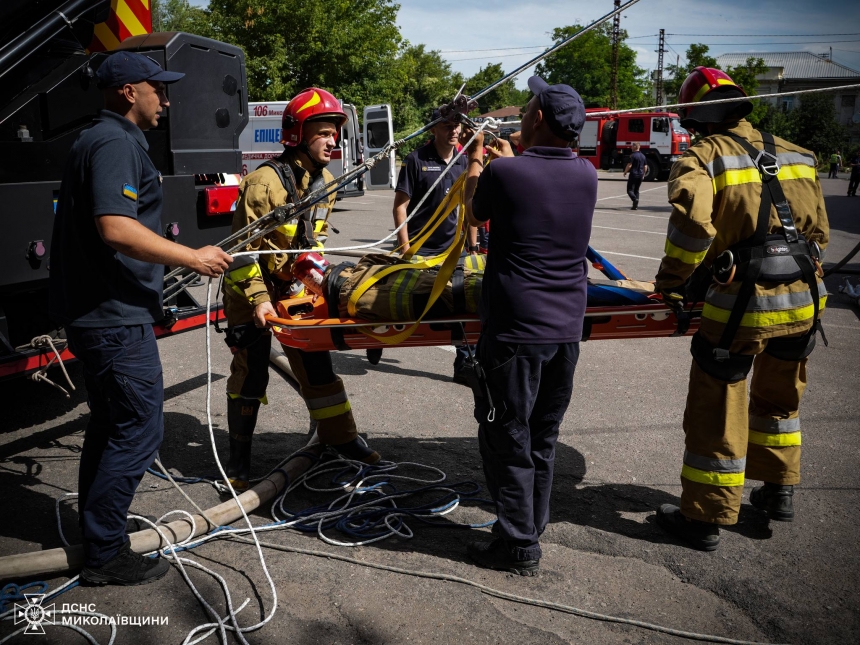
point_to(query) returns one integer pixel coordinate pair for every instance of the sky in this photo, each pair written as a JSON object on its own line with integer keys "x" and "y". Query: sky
{"x": 467, "y": 32}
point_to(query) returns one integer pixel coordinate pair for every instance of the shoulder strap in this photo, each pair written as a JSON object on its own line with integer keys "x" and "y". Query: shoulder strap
{"x": 285, "y": 174}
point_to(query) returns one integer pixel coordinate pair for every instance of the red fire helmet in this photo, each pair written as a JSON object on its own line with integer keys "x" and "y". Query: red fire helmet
{"x": 701, "y": 83}
{"x": 309, "y": 105}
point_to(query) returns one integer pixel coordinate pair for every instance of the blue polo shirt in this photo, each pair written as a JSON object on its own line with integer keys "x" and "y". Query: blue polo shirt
{"x": 540, "y": 206}
{"x": 637, "y": 165}
{"x": 421, "y": 168}
{"x": 108, "y": 172}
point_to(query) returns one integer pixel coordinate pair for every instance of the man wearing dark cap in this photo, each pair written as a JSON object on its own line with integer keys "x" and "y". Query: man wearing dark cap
{"x": 533, "y": 300}
{"x": 419, "y": 172}
{"x": 107, "y": 269}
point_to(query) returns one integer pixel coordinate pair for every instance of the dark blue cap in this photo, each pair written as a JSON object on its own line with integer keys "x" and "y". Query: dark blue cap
{"x": 121, "y": 68}
{"x": 562, "y": 107}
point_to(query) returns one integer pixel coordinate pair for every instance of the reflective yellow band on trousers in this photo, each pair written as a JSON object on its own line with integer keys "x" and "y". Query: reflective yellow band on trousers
{"x": 712, "y": 478}
{"x": 780, "y": 440}
{"x": 263, "y": 399}
{"x": 331, "y": 411}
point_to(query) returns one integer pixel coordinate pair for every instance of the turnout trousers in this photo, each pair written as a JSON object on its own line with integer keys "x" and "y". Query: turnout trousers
{"x": 125, "y": 394}
{"x": 531, "y": 387}
{"x": 732, "y": 433}
{"x": 320, "y": 387}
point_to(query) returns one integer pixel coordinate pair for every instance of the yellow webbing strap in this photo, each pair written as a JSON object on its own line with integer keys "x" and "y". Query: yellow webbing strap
{"x": 448, "y": 259}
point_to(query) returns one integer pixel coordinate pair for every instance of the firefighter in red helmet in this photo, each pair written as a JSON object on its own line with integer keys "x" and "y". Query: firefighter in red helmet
{"x": 748, "y": 217}
{"x": 311, "y": 124}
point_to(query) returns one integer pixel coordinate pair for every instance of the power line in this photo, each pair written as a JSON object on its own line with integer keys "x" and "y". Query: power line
{"x": 763, "y": 35}
{"x": 817, "y": 42}
{"x": 493, "y": 49}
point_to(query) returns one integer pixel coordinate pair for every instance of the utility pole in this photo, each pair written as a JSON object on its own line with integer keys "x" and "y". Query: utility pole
{"x": 660, "y": 53}
{"x": 616, "y": 37}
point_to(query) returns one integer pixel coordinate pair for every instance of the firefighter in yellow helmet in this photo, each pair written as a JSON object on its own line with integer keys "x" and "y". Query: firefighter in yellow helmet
{"x": 748, "y": 214}
{"x": 311, "y": 125}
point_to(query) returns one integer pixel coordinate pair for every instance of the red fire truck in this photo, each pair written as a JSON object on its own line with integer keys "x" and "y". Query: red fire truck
{"x": 606, "y": 141}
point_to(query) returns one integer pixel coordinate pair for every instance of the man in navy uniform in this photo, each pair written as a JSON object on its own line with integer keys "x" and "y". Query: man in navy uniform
{"x": 107, "y": 270}
{"x": 636, "y": 168}
{"x": 533, "y": 300}
{"x": 419, "y": 172}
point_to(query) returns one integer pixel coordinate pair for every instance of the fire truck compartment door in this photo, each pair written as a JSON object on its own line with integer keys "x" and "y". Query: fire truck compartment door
{"x": 378, "y": 132}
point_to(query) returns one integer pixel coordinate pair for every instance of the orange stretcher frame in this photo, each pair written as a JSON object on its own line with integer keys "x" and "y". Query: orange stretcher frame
{"x": 304, "y": 323}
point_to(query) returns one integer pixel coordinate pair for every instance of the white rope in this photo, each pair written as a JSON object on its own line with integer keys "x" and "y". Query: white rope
{"x": 488, "y": 123}
{"x": 663, "y": 108}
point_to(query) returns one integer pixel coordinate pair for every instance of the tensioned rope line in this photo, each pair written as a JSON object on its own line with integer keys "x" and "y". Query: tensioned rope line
{"x": 293, "y": 210}
{"x": 738, "y": 99}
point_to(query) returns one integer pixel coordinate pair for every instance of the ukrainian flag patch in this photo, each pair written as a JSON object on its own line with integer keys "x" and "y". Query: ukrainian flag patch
{"x": 129, "y": 191}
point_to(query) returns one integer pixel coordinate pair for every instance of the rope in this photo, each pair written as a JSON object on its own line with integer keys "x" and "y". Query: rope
{"x": 40, "y": 342}
{"x": 664, "y": 108}
{"x": 504, "y": 595}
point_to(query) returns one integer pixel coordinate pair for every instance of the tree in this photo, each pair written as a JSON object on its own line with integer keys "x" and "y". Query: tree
{"x": 504, "y": 95}
{"x": 177, "y": 15}
{"x": 745, "y": 76}
{"x": 815, "y": 126}
{"x": 420, "y": 81}
{"x": 696, "y": 56}
{"x": 776, "y": 121}
{"x": 586, "y": 65}
{"x": 347, "y": 47}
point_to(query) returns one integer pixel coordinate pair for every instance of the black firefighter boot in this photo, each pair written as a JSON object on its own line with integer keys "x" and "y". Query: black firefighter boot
{"x": 241, "y": 420}
{"x": 775, "y": 500}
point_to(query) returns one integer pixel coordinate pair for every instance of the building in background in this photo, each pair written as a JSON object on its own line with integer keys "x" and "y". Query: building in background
{"x": 790, "y": 71}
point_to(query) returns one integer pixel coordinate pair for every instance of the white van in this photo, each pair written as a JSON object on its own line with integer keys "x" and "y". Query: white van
{"x": 260, "y": 140}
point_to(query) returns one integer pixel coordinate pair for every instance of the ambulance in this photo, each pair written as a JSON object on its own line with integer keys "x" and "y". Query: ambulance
{"x": 260, "y": 141}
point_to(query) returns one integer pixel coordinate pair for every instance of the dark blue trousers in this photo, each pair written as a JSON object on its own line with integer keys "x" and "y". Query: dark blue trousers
{"x": 531, "y": 387}
{"x": 125, "y": 393}
{"x": 633, "y": 184}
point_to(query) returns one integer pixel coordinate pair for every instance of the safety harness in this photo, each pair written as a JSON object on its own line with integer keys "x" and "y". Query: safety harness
{"x": 784, "y": 256}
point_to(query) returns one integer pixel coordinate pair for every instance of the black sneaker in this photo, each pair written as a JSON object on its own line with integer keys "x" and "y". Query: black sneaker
{"x": 496, "y": 555}
{"x": 373, "y": 356}
{"x": 635, "y": 205}
{"x": 127, "y": 568}
{"x": 359, "y": 451}
{"x": 700, "y": 535}
{"x": 775, "y": 500}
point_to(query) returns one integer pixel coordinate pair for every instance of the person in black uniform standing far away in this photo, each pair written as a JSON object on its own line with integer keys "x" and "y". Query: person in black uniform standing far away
{"x": 107, "y": 257}
{"x": 533, "y": 299}
{"x": 636, "y": 168}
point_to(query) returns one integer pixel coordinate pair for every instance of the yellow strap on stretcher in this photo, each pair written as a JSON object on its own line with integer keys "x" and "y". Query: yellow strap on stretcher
{"x": 448, "y": 259}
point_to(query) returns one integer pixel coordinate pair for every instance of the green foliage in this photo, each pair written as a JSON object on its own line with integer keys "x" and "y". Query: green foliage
{"x": 342, "y": 45}
{"x": 745, "y": 76}
{"x": 420, "y": 81}
{"x": 815, "y": 126}
{"x": 697, "y": 55}
{"x": 586, "y": 65}
{"x": 503, "y": 96}
{"x": 776, "y": 121}
{"x": 177, "y": 15}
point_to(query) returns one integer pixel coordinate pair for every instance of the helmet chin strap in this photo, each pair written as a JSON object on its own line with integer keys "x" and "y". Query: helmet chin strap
{"x": 303, "y": 147}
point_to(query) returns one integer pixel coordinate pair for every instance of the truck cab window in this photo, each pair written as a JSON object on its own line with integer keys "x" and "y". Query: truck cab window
{"x": 636, "y": 125}
{"x": 660, "y": 125}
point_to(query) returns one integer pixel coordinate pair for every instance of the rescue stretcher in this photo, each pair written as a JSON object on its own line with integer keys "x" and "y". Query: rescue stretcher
{"x": 613, "y": 312}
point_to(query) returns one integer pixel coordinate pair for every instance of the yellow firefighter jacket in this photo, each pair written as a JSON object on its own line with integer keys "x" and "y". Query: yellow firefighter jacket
{"x": 259, "y": 193}
{"x": 715, "y": 190}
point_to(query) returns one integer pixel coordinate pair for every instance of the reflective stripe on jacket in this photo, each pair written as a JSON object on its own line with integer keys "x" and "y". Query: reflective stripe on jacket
{"x": 261, "y": 192}
{"x": 715, "y": 191}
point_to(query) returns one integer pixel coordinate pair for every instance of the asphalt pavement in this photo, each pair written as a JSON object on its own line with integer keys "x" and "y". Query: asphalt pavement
{"x": 619, "y": 458}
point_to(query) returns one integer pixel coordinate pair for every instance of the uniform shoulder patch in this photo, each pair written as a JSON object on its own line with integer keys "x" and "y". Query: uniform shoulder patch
{"x": 129, "y": 191}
